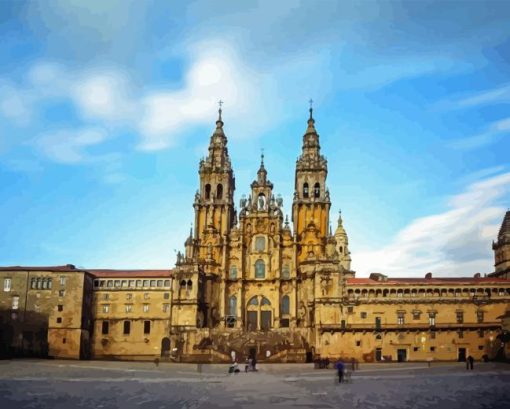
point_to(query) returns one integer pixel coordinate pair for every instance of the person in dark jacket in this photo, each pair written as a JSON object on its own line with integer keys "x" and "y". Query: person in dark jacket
{"x": 469, "y": 362}
{"x": 339, "y": 366}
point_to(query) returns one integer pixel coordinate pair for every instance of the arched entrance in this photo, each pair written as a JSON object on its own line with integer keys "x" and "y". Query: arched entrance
{"x": 165, "y": 347}
{"x": 259, "y": 314}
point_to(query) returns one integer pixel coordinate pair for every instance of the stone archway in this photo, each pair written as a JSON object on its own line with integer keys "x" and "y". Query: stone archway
{"x": 165, "y": 347}
{"x": 259, "y": 314}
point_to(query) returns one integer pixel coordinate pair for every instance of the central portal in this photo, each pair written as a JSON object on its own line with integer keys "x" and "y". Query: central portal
{"x": 259, "y": 314}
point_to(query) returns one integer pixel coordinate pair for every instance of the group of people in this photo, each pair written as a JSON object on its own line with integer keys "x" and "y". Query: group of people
{"x": 250, "y": 365}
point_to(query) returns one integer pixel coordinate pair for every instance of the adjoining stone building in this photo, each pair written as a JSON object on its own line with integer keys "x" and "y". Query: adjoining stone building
{"x": 251, "y": 282}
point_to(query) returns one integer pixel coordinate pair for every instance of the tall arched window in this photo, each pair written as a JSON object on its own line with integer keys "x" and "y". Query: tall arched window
{"x": 207, "y": 191}
{"x": 260, "y": 269}
{"x": 285, "y": 305}
{"x": 317, "y": 190}
{"x": 219, "y": 191}
{"x": 260, "y": 243}
{"x": 232, "y": 306}
{"x": 285, "y": 271}
{"x": 305, "y": 189}
{"x": 233, "y": 272}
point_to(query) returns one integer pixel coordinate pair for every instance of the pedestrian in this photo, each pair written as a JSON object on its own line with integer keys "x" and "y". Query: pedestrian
{"x": 156, "y": 362}
{"x": 470, "y": 362}
{"x": 247, "y": 365}
{"x": 339, "y": 366}
{"x": 254, "y": 364}
{"x": 353, "y": 364}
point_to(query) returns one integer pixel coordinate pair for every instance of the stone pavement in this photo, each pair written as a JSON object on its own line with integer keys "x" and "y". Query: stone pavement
{"x": 101, "y": 384}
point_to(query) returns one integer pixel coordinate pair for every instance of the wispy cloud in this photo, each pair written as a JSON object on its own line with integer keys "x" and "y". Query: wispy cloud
{"x": 455, "y": 242}
{"x": 490, "y": 135}
{"x": 500, "y": 94}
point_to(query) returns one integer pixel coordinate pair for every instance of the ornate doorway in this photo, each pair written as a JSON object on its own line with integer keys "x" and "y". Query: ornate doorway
{"x": 259, "y": 314}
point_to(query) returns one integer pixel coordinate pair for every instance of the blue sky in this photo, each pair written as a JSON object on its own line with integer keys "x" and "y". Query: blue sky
{"x": 107, "y": 107}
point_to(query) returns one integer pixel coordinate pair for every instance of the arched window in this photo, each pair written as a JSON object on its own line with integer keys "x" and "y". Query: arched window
{"x": 260, "y": 244}
{"x": 207, "y": 191}
{"x": 219, "y": 191}
{"x": 261, "y": 201}
{"x": 285, "y": 271}
{"x": 305, "y": 190}
{"x": 253, "y": 301}
{"x": 233, "y": 272}
{"x": 183, "y": 283}
{"x": 341, "y": 249}
{"x": 317, "y": 190}
{"x": 232, "y": 306}
{"x": 190, "y": 284}
{"x": 260, "y": 269}
{"x": 285, "y": 305}
{"x": 265, "y": 301}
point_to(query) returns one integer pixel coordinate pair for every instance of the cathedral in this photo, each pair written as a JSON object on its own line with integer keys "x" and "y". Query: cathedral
{"x": 252, "y": 283}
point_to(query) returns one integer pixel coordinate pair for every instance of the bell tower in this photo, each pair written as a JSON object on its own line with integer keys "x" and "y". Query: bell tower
{"x": 310, "y": 208}
{"x": 214, "y": 201}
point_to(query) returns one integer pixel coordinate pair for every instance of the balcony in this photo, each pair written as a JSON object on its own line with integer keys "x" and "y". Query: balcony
{"x": 425, "y": 326}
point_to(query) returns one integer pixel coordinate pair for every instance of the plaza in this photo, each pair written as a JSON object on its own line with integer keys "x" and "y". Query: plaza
{"x": 110, "y": 384}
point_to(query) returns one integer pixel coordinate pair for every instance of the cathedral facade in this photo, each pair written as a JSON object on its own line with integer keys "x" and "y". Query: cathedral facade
{"x": 251, "y": 282}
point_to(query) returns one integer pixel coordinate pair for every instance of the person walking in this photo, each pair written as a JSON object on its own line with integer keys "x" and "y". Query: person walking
{"x": 339, "y": 366}
{"x": 469, "y": 363}
{"x": 353, "y": 364}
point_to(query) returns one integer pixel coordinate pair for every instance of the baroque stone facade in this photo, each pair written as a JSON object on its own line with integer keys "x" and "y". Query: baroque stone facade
{"x": 252, "y": 283}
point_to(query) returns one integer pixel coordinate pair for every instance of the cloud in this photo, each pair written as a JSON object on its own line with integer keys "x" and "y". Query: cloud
{"x": 455, "y": 242}
{"x": 69, "y": 146}
{"x": 15, "y": 103}
{"x": 497, "y": 95}
{"x": 490, "y": 135}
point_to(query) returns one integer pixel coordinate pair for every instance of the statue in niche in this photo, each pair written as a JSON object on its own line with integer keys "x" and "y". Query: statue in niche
{"x": 272, "y": 228}
{"x": 302, "y": 314}
{"x": 324, "y": 287}
{"x": 209, "y": 251}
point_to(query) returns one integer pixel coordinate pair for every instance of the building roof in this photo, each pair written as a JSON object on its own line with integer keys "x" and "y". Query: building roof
{"x": 95, "y": 272}
{"x": 427, "y": 281}
{"x": 130, "y": 273}
{"x": 504, "y": 231}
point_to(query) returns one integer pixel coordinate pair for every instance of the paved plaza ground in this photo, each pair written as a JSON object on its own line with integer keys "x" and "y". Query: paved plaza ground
{"x": 104, "y": 385}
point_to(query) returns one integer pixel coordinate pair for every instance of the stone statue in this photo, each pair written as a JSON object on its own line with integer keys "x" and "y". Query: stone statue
{"x": 261, "y": 202}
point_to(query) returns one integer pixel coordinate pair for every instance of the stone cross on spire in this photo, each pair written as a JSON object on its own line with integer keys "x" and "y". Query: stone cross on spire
{"x": 220, "y": 103}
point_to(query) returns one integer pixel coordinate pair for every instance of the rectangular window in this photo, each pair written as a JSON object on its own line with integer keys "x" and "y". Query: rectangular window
{"x": 260, "y": 244}
{"x": 105, "y": 327}
{"x": 461, "y": 334}
{"x": 284, "y": 322}
{"x": 127, "y": 327}
{"x": 129, "y": 296}
{"x": 160, "y": 283}
{"x": 15, "y": 302}
{"x": 101, "y": 283}
{"x": 153, "y": 283}
{"x": 109, "y": 283}
{"x": 117, "y": 283}
{"x": 358, "y": 343}
{"x": 481, "y": 333}
{"x": 124, "y": 283}
{"x": 131, "y": 283}
{"x": 106, "y": 307}
{"x": 138, "y": 283}
{"x": 479, "y": 316}
{"x": 61, "y": 293}
{"x": 377, "y": 323}
{"x": 7, "y": 284}
{"x": 145, "y": 283}
{"x": 62, "y": 280}
{"x": 167, "y": 283}
{"x": 363, "y": 315}
{"x": 400, "y": 319}
{"x": 33, "y": 283}
{"x": 416, "y": 349}
{"x": 416, "y": 315}
{"x": 146, "y": 308}
{"x": 432, "y": 319}
{"x": 50, "y": 283}
{"x": 60, "y": 307}
{"x": 59, "y": 320}
{"x": 166, "y": 296}
{"x": 166, "y": 307}
{"x": 63, "y": 340}
{"x": 460, "y": 317}
{"x": 146, "y": 327}
{"x": 129, "y": 307}
{"x": 342, "y": 324}
{"x": 432, "y": 349}
{"x": 350, "y": 310}
{"x": 96, "y": 283}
